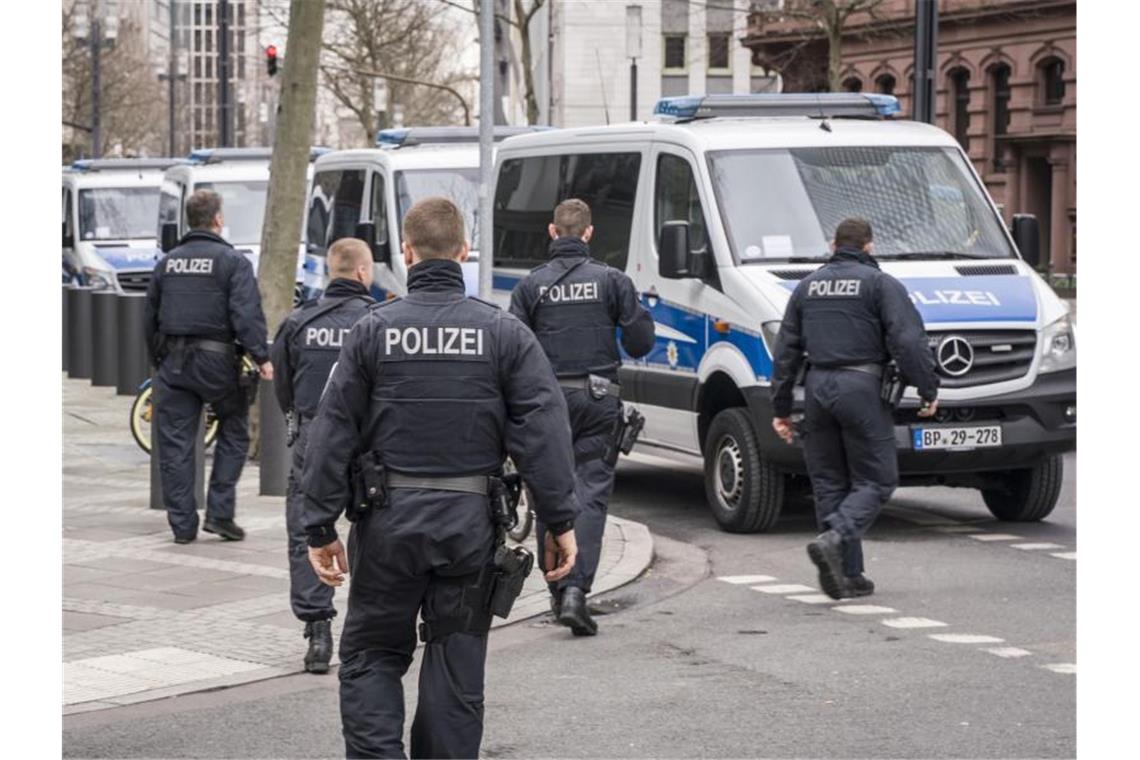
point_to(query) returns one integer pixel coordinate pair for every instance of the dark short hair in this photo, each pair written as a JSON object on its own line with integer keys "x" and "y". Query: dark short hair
{"x": 853, "y": 232}
{"x": 434, "y": 229}
{"x": 201, "y": 208}
{"x": 571, "y": 218}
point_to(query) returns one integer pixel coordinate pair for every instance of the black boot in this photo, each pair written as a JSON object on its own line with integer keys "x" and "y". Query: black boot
{"x": 860, "y": 585}
{"x": 826, "y": 551}
{"x": 556, "y": 603}
{"x": 227, "y": 529}
{"x": 319, "y": 634}
{"x": 574, "y": 613}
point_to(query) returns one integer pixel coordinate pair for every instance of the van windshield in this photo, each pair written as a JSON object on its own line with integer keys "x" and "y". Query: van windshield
{"x": 118, "y": 213}
{"x": 243, "y": 208}
{"x": 460, "y": 185}
{"x": 786, "y": 203}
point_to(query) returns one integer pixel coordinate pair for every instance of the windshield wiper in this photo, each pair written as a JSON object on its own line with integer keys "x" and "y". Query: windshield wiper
{"x": 931, "y": 255}
{"x": 789, "y": 260}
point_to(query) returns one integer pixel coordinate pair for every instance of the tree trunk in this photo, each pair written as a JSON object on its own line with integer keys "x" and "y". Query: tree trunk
{"x": 526, "y": 57}
{"x": 833, "y": 21}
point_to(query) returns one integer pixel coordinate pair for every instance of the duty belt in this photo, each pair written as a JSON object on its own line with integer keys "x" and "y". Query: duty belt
{"x": 868, "y": 369}
{"x": 476, "y": 484}
{"x": 204, "y": 344}
{"x": 583, "y": 384}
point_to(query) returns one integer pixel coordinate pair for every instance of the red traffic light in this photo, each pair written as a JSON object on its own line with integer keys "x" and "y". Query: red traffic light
{"x": 271, "y": 60}
{"x": 271, "y": 51}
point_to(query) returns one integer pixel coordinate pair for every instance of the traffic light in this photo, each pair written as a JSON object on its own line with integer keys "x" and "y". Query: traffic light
{"x": 271, "y": 60}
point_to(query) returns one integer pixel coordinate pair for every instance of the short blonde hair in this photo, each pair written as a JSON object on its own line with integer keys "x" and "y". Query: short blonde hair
{"x": 346, "y": 254}
{"x": 571, "y": 218}
{"x": 434, "y": 229}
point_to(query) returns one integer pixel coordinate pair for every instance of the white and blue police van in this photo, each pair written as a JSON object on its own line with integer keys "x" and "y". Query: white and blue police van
{"x": 366, "y": 193}
{"x": 241, "y": 177}
{"x": 109, "y": 206}
{"x": 721, "y": 206}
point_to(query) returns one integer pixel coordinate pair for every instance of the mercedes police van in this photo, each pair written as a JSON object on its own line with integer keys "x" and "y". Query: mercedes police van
{"x": 720, "y": 207}
{"x": 366, "y": 193}
{"x": 241, "y": 177}
{"x": 109, "y": 207}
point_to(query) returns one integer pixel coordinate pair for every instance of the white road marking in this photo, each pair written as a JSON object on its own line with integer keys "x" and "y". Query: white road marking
{"x": 1062, "y": 667}
{"x": 742, "y": 579}
{"x": 958, "y": 529}
{"x": 1036, "y": 547}
{"x": 812, "y": 598}
{"x": 994, "y": 537}
{"x": 784, "y": 588}
{"x": 913, "y": 622}
{"x": 864, "y": 609}
{"x": 1008, "y": 652}
{"x": 1065, "y": 555}
{"x": 965, "y": 638}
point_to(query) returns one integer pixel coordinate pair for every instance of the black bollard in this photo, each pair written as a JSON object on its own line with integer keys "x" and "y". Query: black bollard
{"x": 274, "y": 454}
{"x": 63, "y": 299}
{"x": 104, "y": 339}
{"x": 133, "y": 361}
{"x": 156, "y": 500}
{"x": 79, "y": 308}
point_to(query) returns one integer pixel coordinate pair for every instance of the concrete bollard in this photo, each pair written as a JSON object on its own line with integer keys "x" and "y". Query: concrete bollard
{"x": 104, "y": 339}
{"x": 273, "y": 453}
{"x": 63, "y": 324}
{"x": 79, "y": 317}
{"x": 156, "y": 500}
{"x": 134, "y": 364}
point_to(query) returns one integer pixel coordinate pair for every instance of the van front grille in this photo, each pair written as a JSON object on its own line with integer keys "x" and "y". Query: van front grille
{"x": 965, "y": 358}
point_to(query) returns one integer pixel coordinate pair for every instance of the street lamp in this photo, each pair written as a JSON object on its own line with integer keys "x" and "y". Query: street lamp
{"x": 97, "y": 23}
{"x": 633, "y": 52}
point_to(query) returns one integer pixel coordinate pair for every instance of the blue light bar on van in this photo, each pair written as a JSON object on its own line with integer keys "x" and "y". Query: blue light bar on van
{"x": 406, "y": 137}
{"x": 111, "y": 164}
{"x": 218, "y": 155}
{"x": 823, "y": 104}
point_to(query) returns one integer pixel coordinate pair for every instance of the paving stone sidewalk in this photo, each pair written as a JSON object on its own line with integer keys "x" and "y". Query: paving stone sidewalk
{"x": 145, "y": 619}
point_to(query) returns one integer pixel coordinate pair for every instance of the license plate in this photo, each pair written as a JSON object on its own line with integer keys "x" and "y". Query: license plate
{"x": 934, "y": 438}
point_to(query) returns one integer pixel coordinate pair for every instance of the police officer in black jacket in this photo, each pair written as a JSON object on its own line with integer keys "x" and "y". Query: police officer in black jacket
{"x": 575, "y": 304}
{"x": 202, "y": 298}
{"x": 850, "y": 319}
{"x": 439, "y": 388}
{"x": 303, "y": 353}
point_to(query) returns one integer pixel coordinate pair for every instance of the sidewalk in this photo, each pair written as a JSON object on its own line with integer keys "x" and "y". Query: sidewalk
{"x": 145, "y": 619}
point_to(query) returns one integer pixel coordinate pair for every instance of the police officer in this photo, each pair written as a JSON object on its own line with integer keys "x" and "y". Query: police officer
{"x": 303, "y": 353}
{"x": 574, "y": 305}
{"x": 201, "y": 298}
{"x": 850, "y": 319}
{"x": 439, "y": 388}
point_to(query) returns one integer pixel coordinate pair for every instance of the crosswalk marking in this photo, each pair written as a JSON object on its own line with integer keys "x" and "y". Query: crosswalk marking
{"x": 864, "y": 609}
{"x": 965, "y": 638}
{"x": 1008, "y": 652}
{"x": 784, "y": 588}
{"x": 742, "y": 579}
{"x": 913, "y": 622}
{"x": 1036, "y": 547}
{"x": 1062, "y": 667}
{"x": 1065, "y": 555}
{"x": 994, "y": 537}
{"x": 811, "y": 598}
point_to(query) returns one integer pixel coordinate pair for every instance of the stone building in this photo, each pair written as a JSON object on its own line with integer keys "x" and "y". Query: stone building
{"x": 1006, "y": 89}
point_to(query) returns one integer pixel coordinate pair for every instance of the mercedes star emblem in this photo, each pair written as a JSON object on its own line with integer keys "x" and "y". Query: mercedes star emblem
{"x": 955, "y": 355}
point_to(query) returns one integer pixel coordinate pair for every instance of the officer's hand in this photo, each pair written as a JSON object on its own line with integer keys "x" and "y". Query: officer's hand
{"x": 929, "y": 410}
{"x": 784, "y": 429}
{"x": 266, "y": 371}
{"x": 561, "y": 552}
{"x": 329, "y": 563}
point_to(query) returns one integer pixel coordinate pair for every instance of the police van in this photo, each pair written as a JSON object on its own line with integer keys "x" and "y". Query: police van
{"x": 366, "y": 193}
{"x": 109, "y": 206}
{"x": 719, "y": 208}
{"x": 241, "y": 177}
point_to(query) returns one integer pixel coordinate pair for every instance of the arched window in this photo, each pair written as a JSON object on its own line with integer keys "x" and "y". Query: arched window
{"x": 960, "y": 106}
{"x": 885, "y": 83}
{"x": 999, "y": 95}
{"x": 1051, "y": 81}
{"x": 852, "y": 84}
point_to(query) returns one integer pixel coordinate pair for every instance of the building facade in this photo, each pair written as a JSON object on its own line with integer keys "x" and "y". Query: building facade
{"x": 1006, "y": 89}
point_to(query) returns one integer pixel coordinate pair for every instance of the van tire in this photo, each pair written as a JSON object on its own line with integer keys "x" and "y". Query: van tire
{"x": 744, "y": 490}
{"x": 1027, "y": 495}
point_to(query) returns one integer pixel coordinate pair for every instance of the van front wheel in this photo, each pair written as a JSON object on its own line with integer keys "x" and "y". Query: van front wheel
{"x": 744, "y": 490}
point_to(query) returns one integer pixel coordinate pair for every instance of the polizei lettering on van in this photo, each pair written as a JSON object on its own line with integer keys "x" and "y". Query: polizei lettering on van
{"x": 433, "y": 341}
{"x": 189, "y": 266}
{"x": 570, "y": 292}
{"x": 326, "y": 337}
{"x": 833, "y": 288}
{"x": 963, "y": 297}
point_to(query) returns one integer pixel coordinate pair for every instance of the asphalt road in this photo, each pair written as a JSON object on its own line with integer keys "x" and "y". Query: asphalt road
{"x": 688, "y": 664}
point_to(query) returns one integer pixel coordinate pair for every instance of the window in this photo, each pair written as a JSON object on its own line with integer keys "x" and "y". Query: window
{"x": 117, "y": 213}
{"x": 1053, "y": 81}
{"x": 529, "y": 188}
{"x": 960, "y": 104}
{"x": 999, "y": 88}
{"x": 719, "y": 58}
{"x": 675, "y": 57}
{"x": 169, "y": 206}
{"x": 243, "y": 205}
{"x": 885, "y": 83}
{"x": 378, "y": 209}
{"x": 675, "y": 199}
{"x": 334, "y": 207}
{"x": 852, "y": 84}
{"x": 68, "y": 228}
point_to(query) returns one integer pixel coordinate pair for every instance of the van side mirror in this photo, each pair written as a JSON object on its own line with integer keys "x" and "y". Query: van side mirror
{"x": 68, "y": 239}
{"x": 675, "y": 257}
{"x": 1027, "y": 236}
{"x": 169, "y": 239}
{"x": 381, "y": 253}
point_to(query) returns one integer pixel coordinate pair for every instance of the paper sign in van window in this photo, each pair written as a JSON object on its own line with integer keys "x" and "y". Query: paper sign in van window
{"x": 752, "y": 252}
{"x": 778, "y": 246}
{"x": 102, "y": 232}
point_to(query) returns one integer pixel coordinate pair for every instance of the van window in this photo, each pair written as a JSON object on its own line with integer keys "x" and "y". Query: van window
{"x": 334, "y": 207}
{"x": 117, "y": 213}
{"x": 169, "y": 206}
{"x": 243, "y": 208}
{"x": 529, "y": 188}
{"x": 378, "y": 209}
{"x": 676, "y": 200}
{"x": 68, "y": 225}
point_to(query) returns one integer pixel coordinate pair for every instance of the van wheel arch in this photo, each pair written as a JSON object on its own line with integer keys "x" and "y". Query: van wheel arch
{"x": 717, "y": 393}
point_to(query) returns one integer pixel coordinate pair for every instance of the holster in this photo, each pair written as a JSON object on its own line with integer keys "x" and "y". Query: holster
{"x": 891, "y": 386}
{"x": 247, "y": 378}
{"x": 511, "y": 565}
{"x": 369, "y": 492}
{"x": 630, "y": 424}
{"x": 292, "y": 427}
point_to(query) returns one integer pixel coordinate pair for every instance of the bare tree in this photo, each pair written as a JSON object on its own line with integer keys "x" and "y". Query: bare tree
{"x": 828, "y": 19}
{"x": 131, "y": 99}
{"x": 407, "y": 38}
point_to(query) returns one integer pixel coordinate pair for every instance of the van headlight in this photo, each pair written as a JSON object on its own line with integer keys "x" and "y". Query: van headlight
{"x": 770, "y": 331}
{"x": 100, "y": 279}
{"x": 1058, "y": 346}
